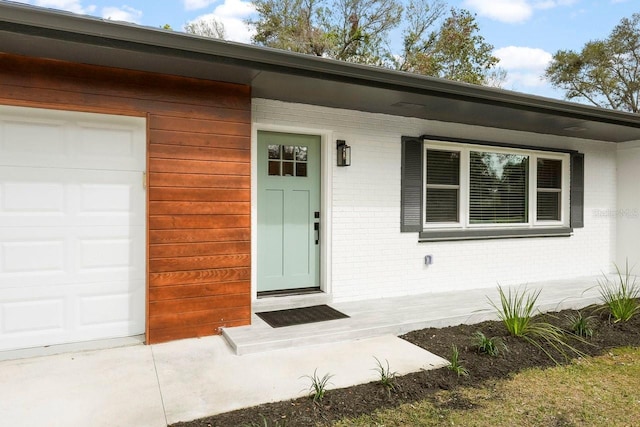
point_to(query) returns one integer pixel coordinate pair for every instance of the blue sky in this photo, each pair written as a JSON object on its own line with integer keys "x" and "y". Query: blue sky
{"x": 525, "y": 33}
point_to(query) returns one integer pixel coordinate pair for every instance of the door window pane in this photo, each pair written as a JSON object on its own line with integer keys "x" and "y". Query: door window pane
{"x": 274, "y": 168}
{"x": 301, "y": 154}
{"x": 301, "y": 169}
{"x": 274, "y": 151}
{"x": 287, "y": 169}
{"x": 288, "y": 160}
{"x": 287, "y": 152}
{"x": 498, "y": 188}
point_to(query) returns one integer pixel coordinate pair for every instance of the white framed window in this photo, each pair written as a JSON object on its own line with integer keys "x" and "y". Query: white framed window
{"x": 474, "y": 187}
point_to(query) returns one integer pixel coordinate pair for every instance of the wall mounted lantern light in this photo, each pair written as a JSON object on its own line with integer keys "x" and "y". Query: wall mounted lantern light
{"x": 344, "y": 153}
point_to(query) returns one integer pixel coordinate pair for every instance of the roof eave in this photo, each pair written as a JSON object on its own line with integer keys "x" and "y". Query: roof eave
{"x": 66, "y": 26}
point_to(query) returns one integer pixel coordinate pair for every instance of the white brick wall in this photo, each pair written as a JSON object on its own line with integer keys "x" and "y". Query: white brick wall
{"x": 628, "y": 211}
{"x": 372, "y": 258}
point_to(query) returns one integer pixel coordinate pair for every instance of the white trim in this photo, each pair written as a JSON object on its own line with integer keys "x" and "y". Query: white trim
{"x": 463, "y": 202}
{"x": 629, "y": 145}
{"x": 326, "y": 172}
{"x": 565, "y": 188}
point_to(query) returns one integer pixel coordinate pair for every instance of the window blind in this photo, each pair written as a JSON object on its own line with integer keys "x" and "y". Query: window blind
{"x": 443, "y": 186}
{"x": 549, "y": 189}
{"x": 497, "y": 188}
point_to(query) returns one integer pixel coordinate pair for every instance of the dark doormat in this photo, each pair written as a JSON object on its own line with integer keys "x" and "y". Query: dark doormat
{"x": 300, "y": 316}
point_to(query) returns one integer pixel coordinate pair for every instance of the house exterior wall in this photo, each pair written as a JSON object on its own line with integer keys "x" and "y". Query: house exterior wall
{"x": 198, "y": 158}
{"x": 627, "y": 213}
{"x": 371, "y": 258}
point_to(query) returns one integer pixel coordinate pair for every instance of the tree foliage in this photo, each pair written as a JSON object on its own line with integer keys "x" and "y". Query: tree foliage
{"x": 294, "y": 25}
{"x": 436, "y": 42}
{"x": 348, "y": 30}
{"x": 606, "y": 72}
{"x": 456, "y": 51}
{"x": 207, "y": 26}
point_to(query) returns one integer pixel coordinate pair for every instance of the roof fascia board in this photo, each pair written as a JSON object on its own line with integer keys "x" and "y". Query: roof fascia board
{"x": 121, "y": 35}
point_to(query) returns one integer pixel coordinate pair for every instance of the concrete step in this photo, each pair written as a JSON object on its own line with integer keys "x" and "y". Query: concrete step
{"x": 250, "y": 339}
{"x": 396, "y": 316}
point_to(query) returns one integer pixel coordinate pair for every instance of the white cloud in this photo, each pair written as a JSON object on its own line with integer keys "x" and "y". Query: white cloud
{"x": 197, "y": 4}
{"x": 517, "y": 57}
{"x": 124, "y": 13}
{"x": 513, "y": 11}
{"x": 550, "y": 4}
{"x": 525, "y": 66}
{"x": 232, "y": 14}
{"x": 234, "y": 9}
{"x": 74, "y": 6}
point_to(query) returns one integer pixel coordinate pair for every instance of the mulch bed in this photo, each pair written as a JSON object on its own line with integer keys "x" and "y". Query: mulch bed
{"x": 366, "y": 398}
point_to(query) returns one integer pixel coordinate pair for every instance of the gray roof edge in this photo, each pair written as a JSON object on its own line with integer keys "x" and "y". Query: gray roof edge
{"x": 296, "y": 63}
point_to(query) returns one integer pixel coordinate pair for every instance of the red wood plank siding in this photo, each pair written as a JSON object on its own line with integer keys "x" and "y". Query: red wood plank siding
{"x": 198, "y": 154}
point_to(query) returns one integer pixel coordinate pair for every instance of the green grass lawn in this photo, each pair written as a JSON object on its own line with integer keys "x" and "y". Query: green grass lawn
{"x": 600, "y": 391}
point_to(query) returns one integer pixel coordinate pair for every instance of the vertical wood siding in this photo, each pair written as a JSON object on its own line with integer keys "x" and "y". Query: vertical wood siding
{"x": 198, "y": 182}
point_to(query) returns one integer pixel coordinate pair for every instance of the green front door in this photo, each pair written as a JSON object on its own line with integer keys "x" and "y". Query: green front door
{"x": 288, "y": 212}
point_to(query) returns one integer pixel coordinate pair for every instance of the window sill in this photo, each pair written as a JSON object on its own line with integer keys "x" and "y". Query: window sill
{"x": 449, "y": 235}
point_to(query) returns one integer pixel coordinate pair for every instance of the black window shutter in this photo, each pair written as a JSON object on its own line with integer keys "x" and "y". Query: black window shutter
{"x": 411, "y": 185}
{"x": 577, "y": 190}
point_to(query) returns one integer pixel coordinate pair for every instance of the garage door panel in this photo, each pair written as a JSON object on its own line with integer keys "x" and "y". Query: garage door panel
{"x": 114, "y": 309}
{"x": 58, "y": 139}
{"x": 72, "y": 227}
{"x": 58, "y": 255}
{"x": 112, "y": 255}
{"x": 40, "y": 257}
{"x": 108, "y": 199}
{"x": 110, "y": 144}
{"x": 105, "y": 253}
{"x": 27, "y": 316}
{"x": 70, "y": 313}
{"x": 22, "y": 139}
{"x": 32, "y": 198}
{"x": 44, "y": 197}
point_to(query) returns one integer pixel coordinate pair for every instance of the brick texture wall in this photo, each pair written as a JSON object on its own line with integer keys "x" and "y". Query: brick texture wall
{"x": 372, "y": 258}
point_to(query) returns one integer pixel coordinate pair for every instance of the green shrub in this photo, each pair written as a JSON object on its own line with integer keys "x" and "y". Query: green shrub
{"x": 387, "y": 378}
{"x": 491, "y": 346}
{"x": 454, "y": 362}
{"x": 620, "y": 297}
{"x": 516, "y": 311}
{"x": 318, "y": 387}
{"x": 580, "y": 325}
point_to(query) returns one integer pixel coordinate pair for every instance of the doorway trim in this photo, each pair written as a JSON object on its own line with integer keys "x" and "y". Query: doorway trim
{"x": 326, "y": 169}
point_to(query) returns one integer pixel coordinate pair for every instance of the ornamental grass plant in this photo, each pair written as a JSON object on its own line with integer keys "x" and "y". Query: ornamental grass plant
{"x": 620, "y": 296}
{"x": 490, "y": 346}
{"x": 318, "y": 386}
{"x": 516, "y": 311}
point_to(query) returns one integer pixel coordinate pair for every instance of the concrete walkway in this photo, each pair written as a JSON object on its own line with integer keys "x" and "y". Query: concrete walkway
{"x": 152, "y": 386}
{"x": 156, "y": 385}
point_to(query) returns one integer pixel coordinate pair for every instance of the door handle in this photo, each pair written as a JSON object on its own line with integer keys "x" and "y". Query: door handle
{"x": 316, "y": 227}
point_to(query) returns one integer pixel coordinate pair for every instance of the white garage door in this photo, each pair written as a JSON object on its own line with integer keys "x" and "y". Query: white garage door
{"x": 72, "y": 227}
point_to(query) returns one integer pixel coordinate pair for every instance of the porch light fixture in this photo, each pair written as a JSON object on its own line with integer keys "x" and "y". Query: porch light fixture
{"x": 344, "y": 153}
